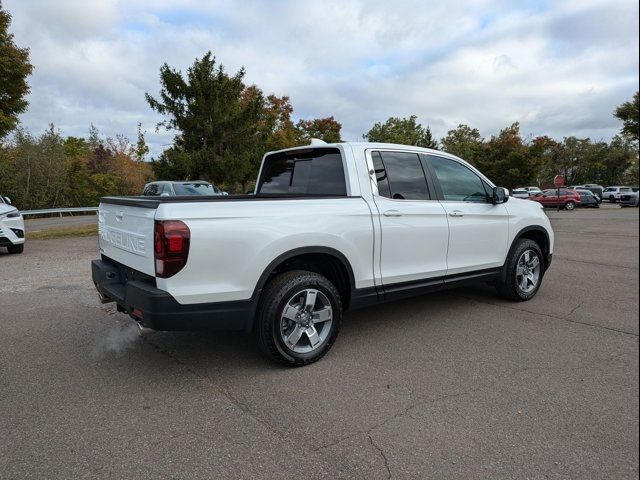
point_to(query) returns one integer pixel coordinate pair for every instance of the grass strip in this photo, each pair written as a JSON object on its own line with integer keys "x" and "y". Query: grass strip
{"x": 76, "y": 231}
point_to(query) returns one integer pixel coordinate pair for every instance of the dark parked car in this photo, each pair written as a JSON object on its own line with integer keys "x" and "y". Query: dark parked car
{"x": 560, "y": 198}
{"x": 588, "y": 199}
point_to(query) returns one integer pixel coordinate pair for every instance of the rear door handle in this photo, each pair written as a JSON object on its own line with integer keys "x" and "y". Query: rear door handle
{"x": 456, "y": 213}
{"x": 392, "y": 213}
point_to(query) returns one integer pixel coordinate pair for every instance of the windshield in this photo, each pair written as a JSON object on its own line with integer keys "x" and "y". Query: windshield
{"x": 194, "y": 189}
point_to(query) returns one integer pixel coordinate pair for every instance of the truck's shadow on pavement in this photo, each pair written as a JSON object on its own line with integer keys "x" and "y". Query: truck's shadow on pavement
{"x": 363, "y": 328}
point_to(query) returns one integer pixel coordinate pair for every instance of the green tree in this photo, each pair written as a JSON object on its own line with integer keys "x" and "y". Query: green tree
{"x": 404, "y": 131}
{"x": 215, "y": 119}
{"x": 505, "y": 159}
{"x": 464, "y": 142}
{"x": 629, "y": 113}
{"x": 619, "y": 158}
{"x": 14, "y": 70}
{"x": 327, "y": 129}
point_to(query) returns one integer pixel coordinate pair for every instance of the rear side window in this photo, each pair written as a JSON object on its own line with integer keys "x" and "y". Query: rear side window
{"x": 458, "y": 183}
{"x": 400, "y": 176}
{"x": 304, "y": 172}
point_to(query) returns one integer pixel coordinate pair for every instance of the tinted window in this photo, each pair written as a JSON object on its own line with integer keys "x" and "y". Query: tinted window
{"x": 457, "y": 181}
{"x": 400, "y": 175}
{"x": 192, "y": 189}
{"x": 313, "y": 172}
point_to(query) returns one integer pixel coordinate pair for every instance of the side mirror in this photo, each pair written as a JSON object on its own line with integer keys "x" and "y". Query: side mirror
{"x": 499, "y": 195}
{"x": 8, "y": 200}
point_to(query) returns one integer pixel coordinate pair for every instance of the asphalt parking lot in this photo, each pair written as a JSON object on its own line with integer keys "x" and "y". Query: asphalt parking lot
{"x": 456, "y": 385}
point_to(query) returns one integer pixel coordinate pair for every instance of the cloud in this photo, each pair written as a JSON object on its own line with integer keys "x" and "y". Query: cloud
{"x": 559, "y": 68}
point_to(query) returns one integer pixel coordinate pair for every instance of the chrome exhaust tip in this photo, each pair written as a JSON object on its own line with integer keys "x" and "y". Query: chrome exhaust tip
{"x": 144, "y": 331}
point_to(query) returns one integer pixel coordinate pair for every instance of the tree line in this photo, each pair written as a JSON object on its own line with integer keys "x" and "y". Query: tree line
{"x": 52, "y": 171}
{"x": 222, "y": 126}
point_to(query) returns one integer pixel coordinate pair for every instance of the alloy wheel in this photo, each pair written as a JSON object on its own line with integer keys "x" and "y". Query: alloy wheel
{"x": 306, "y": 321}
{"x": 528, "y": 271}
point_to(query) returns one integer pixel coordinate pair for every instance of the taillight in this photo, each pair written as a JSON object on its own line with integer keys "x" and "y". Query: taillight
{"x": 171, "y": 247}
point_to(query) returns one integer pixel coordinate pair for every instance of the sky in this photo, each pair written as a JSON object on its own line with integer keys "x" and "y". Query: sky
{"x": 557, "y": 67}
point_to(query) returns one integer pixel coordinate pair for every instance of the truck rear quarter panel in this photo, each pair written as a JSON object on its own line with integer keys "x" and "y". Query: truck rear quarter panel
{"x": 232, "y": 243}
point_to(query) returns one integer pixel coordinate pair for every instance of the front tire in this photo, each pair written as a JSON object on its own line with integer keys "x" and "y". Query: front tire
{"x": 570, "y": 206}
{"x": 298, "y": 318}
{"x": 16, "y": 248}
{"x": 523, "y": 272}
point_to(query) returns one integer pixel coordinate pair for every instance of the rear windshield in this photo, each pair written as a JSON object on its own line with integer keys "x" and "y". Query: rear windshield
{"x": 193, "y": 189}
{"x": 317, "y": 171}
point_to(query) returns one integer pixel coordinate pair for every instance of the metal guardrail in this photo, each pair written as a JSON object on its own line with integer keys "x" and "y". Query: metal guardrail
{"x": 59, "y": 211}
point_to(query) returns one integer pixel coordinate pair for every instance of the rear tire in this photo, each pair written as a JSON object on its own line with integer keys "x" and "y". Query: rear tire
{"x": 612, "y": 199}
{"x": 523, "y": 272}
{"x": 298, "y": 318}
{"x": 16, "y": 248}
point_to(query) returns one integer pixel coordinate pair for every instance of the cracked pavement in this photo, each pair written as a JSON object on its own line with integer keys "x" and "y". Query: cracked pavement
{"x": 456, "y": 385}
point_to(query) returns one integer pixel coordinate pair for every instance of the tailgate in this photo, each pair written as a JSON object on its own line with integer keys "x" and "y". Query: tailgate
{"x": 126, "y": 235}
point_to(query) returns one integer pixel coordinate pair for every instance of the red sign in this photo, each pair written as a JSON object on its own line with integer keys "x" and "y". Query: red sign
{"x": 558, "y": 181}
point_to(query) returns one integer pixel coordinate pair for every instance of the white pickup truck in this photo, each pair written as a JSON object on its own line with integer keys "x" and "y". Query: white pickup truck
{"x": 329, "y": 227}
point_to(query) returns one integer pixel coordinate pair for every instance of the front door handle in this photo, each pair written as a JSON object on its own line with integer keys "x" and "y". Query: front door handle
{"x": 456, "y": 213}
{"x": 392, "y": 213}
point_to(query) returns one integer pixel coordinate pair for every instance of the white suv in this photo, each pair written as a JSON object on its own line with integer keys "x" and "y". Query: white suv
{"x": 613, "y": 193}
{"x": 11, "y": 227}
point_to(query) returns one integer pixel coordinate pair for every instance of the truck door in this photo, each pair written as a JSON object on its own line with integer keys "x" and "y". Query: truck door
{"x": 478, "y": 229}
{"x": 414, "y": 229}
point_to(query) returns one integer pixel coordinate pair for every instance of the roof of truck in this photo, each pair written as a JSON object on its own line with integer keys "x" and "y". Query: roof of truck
{"x": 315, "y": 143}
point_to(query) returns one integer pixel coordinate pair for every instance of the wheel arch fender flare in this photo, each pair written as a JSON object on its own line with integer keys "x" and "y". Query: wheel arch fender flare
{"x": 538, "y": 229}
{"x": 264, "y": 276}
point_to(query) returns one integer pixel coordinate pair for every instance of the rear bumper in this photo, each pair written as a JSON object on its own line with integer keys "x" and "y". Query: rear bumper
{"x": 156, "y": 309}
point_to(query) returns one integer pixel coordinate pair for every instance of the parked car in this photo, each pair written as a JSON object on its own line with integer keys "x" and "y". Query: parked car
{"x": 520, "y": 193}
{"x": 588, "y": 198}
{"x": 11, "y": 227}
{"x": 587, "y": 191}
{"x": 330, "y": 227}
{"x": 558, "y": 198}
{"x": 629, "y": 199}
{"x": 613, "y": 193}
{"x": 172, "y": 189}
{"x": 593, "y": 188}
{"x": 533, "y": 190}
{"x": 596, "y": 189}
